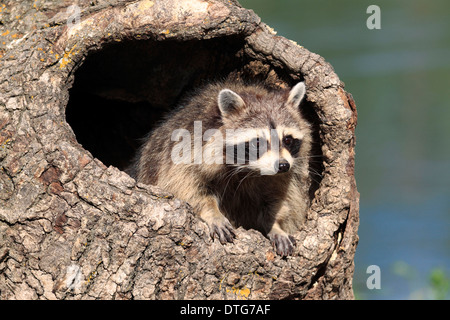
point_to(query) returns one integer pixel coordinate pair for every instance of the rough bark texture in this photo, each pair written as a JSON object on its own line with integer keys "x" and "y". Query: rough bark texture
{"x": 72, "y": 227}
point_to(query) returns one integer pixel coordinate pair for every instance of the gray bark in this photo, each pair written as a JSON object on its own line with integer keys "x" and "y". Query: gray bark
{"x": 72, "y": 227}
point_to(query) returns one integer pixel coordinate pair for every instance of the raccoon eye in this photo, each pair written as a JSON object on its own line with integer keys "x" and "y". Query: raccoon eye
{"x": 292, "y": 144}
{"x": 288, "y": 140}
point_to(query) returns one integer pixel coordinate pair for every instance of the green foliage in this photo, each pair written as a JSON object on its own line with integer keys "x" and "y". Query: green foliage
{"x": 437, "y": 286}
{"x": 440, "y": 284}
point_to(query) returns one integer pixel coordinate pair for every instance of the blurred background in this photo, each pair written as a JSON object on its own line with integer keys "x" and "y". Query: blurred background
{"x": 399, "y": 77}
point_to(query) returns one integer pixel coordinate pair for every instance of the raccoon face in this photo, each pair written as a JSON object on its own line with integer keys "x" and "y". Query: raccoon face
{"x": 269, "y": 151}
{"x": 267, "y": 133}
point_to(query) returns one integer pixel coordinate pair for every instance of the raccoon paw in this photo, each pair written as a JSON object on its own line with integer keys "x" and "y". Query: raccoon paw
{"x": 283, "y": 244}
{"x": 224, "y": 231}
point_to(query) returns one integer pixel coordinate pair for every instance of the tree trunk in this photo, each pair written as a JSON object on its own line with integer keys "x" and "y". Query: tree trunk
{"x": 76, "y": 94}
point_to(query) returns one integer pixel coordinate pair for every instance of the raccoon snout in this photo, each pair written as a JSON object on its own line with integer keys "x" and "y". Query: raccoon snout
{"x": 282, "y": 166}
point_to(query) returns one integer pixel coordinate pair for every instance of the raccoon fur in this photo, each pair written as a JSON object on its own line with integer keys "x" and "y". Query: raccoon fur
{"x": 217, "y": 130}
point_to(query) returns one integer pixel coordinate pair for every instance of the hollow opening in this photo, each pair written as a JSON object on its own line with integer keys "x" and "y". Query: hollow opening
{"x": 121, "y": 91}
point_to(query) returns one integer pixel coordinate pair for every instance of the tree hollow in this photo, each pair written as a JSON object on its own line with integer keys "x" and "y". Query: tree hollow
{"x": 75, "y": 101}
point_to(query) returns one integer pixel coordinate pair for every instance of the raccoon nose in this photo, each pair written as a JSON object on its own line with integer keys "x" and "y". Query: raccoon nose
{"x": 283, "y": 166}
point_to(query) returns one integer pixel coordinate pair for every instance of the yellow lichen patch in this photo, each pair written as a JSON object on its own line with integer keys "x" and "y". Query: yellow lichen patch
{"x": 241, "y": 293}
{"x": 220, "y": 283}
{"x": 256, "y": 274}
{"x": 5, "y": 33}
{"x": 91, "y": 276}
{"x": 65, "y": 60}
{"x": 5, "y": 144}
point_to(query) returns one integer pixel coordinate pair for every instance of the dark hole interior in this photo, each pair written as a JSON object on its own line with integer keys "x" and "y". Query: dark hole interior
{"x": 122, "y": 90}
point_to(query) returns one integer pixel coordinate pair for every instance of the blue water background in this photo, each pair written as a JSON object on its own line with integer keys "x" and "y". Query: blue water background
{"x": 399, "y": 77}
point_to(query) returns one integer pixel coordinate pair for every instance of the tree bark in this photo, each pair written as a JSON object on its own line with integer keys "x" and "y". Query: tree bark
{"x": 72, "y": 227}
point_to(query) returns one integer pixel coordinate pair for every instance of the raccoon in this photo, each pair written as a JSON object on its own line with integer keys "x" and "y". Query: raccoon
{"x": 238, "y": 154}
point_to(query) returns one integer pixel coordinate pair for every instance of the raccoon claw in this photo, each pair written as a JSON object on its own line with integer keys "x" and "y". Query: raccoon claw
{"x": 224, "y": 232}
{"x": 284, "y": 245}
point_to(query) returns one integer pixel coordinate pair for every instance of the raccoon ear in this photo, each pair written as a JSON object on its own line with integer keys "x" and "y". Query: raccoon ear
{"x": 229, "y": 101}
{"x": 296, "y": 95}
